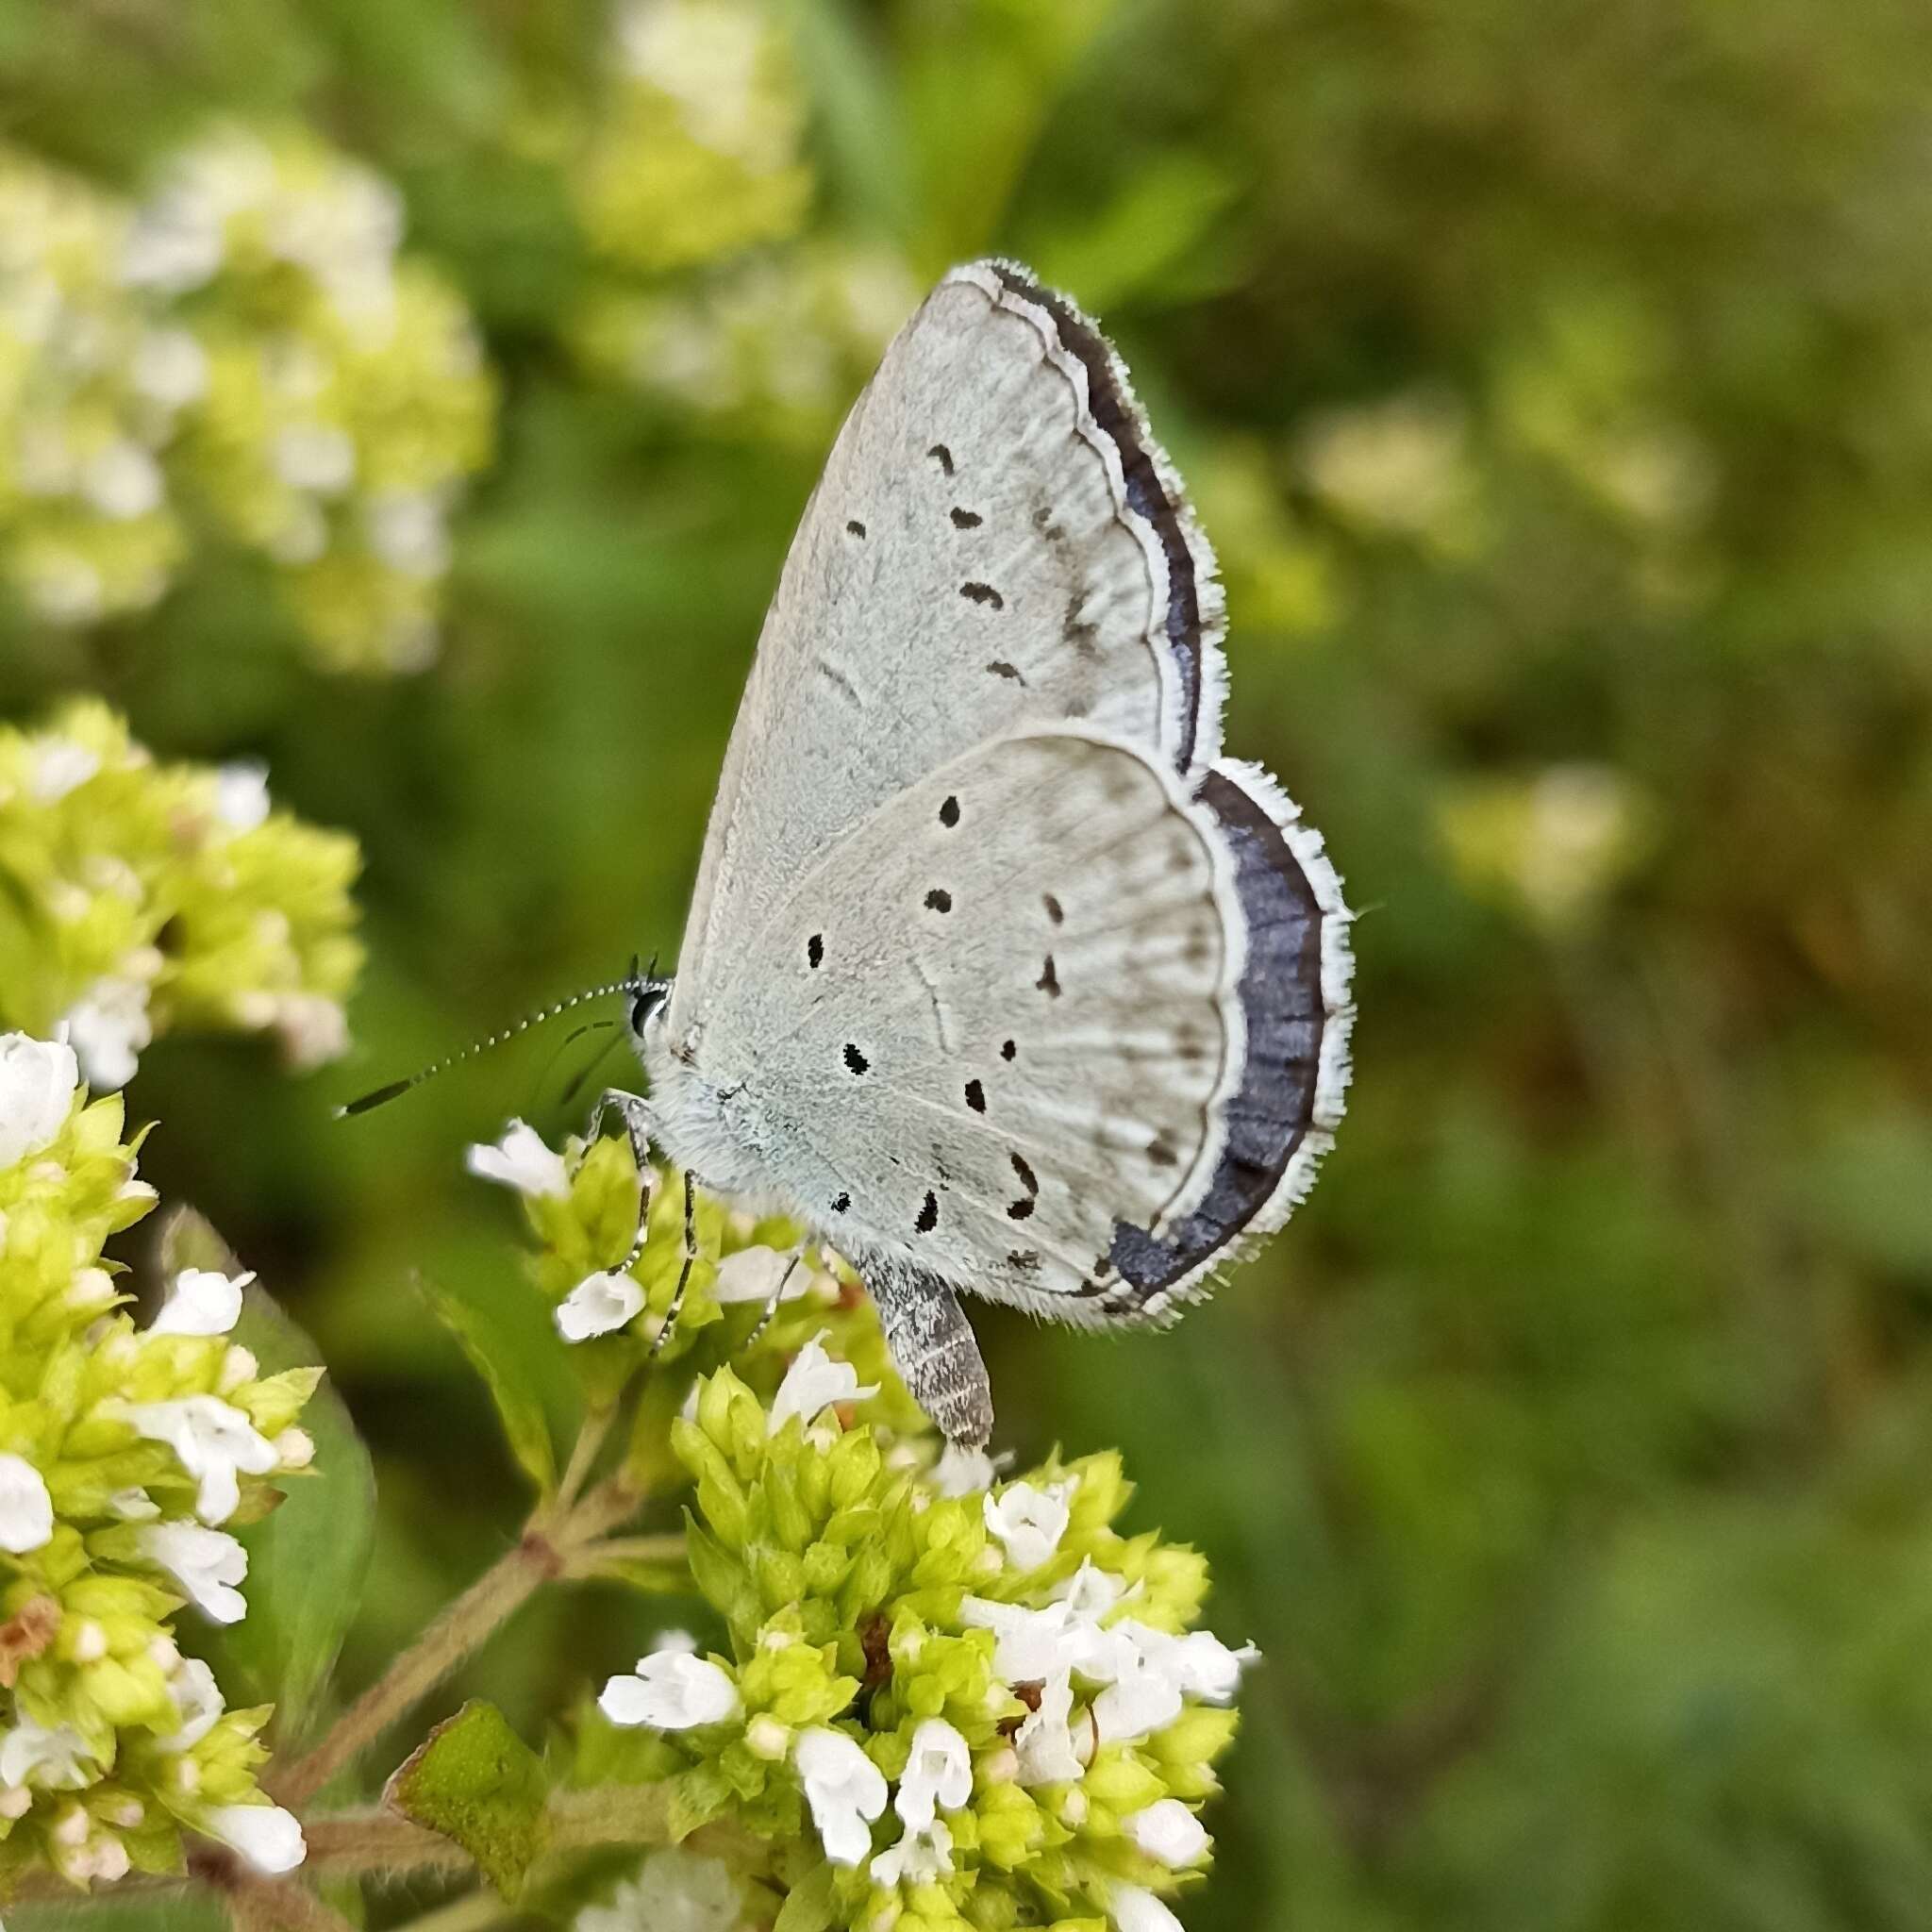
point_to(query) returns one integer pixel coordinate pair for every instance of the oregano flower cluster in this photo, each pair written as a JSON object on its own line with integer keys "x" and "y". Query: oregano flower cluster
{"x": 127, "y": 1451}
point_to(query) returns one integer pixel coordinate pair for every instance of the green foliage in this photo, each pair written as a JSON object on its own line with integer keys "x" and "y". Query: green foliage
{"x": 475, "y": 1781}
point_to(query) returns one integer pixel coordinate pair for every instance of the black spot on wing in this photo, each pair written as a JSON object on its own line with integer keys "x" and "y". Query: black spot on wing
{"x": 949, "y": 813}
{"x": 840, "y": 1202}
{"x": 1053, "y": 909}
{"x": 1281, "y": 999}
{"x": 1001, "y": 669}
{"x": 929, "y": 1214}
{"x": 983, "y": 593}
{"x": 966, "y": 518}
{"x": 855, "y": 1059}
{"x": 855, "y": 529}
{"x": 1049, "y": 981}
{"x": 939, "y": 900}
{"x": 815, "y": 950}
{"x": 1008, "y": 1049}
{"x": 1120, "y": 419}
{"x": 975, "y": 1096}
{"x": 943, "y": 456}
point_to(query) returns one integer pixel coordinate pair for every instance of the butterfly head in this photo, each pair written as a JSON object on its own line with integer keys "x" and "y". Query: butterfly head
{"x": 649, "y": 993}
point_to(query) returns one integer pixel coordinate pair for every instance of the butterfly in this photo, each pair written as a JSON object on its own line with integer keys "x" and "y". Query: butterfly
{"x": 998, "y": 977}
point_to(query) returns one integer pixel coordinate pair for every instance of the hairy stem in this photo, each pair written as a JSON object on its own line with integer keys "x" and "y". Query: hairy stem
{"x": 546, "y": 1550}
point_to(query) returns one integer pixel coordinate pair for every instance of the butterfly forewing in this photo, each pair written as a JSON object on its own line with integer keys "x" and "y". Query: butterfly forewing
{"x": 976, "y": 560}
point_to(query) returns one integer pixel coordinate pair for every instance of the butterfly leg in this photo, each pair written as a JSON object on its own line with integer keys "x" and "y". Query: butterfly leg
{"x": 635, "y": 1112}
{"x": 934, "y": 1350}
{"x": 690, "y": 1255}
{"x": 777, "y": 1295}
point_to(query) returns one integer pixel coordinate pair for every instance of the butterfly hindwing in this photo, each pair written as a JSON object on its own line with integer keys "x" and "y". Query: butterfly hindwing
{"x": 999, "y": 1017}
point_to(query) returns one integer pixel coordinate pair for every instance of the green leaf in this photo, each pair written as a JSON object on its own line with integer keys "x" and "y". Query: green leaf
{"x": 142, "y": 1913}
{"x": 504, "y": 1368}
{"x": 477, "y": 1783}
{"x": 809, "y": 1905}
{"x": 307, "y": 1561}
{"x": 856, "y": 107}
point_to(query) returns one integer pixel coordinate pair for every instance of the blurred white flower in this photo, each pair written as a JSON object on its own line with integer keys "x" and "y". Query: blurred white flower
{"x": 202, "y": 1302}
{"x": 27, "y": 1511}
{"x": 672, "y": 1690}
{"x": 675, "y": 1890}
{"x": 846, "y": 1790}
{"x": 520, "y": 1159}
{"x": 598, "y": 1304}
{"x": 206, "y": 1563}
{"x": 123, "y": 481}
{"x": 38, "y": 1079}
{"x": 1167, "y": 1830}
{"x": 812, "y": 1383}
{"x": 60, "y": 767}
{"x": 109, "y": 1026}
{"x": 241, "y": 801}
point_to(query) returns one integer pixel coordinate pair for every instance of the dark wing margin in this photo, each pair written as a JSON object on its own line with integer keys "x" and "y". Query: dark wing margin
{"x": 1194, "y": 622}
{"x": 1294, "y": 996}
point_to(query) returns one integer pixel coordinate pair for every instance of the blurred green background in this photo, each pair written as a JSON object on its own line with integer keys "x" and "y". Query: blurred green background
{"x": 1555, "y": 380}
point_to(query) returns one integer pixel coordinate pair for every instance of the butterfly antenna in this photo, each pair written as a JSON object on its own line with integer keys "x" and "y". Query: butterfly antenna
{"x": 381, "y": 1096}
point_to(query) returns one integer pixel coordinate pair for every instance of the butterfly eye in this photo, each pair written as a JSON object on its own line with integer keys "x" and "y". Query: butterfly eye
{"x": 648, "y": 1000}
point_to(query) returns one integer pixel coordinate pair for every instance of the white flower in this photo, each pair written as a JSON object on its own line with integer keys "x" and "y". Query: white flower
{"x": 170, "y": 368}
{"x": 26, "y": 1510}
{"x": 314, "y": 456}
{"x": 108, "y": 1026}
{"x": 312, "y": 1028}
{"x": 921, "y": 1856}
{"x": 213, "y": 1441}
{"x": 520, "y": 1160}
{"x": 1167, "y": 1830}
{"x": 1142, "y": 1699}
{"x": 242, "y": 794}
{"x": 677, "y": 1890}
{"x": 1199, "y": 1664}
{"x": 1032, "y": 1646}
{"x": 57, "y": 1759}
{"x": 597, "y": 1304}
{"x": 938, "y": 1775}
{"x": 1030, "y": 1522}
{"x": 1045, "y": 1738}
{"x": 265, "y": 1835}
{"x": 672, "y": 1690}
{"x": 1091, "y": 1592}
{"x": 123, "y": 481}
{"x": 199, "y": 1701}
{"x": 753, "y": 1275}
{"x": 1133, "y": 1908}
{"x": 206, "y": 1563}
{"x": 202, "y": 1302}
{"x": 846, "y": 1790}
{"x": 813, "y": 1382}
{"x": 37, "y": 1082}
{"x": 59, "y": 766}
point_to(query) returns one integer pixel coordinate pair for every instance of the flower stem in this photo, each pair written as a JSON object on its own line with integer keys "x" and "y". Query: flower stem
{"x": 545, "y": 1551}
